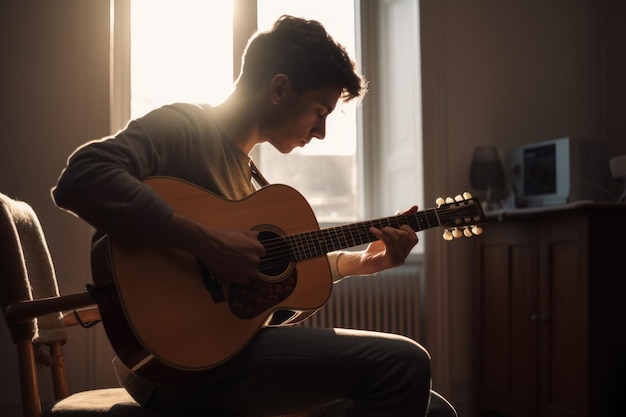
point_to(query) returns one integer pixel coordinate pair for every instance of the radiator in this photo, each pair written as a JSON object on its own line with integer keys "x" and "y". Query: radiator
{"x": 388, "y": 301}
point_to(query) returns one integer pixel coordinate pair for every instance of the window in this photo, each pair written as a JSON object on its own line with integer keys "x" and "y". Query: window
{"x": 174, "y": 56}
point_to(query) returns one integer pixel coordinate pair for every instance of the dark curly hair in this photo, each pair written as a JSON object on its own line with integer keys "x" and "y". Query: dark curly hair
{"x": 306, "y": 53}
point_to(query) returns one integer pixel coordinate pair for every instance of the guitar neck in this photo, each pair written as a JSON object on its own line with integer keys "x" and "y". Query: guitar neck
{"x": 320, "y": 242}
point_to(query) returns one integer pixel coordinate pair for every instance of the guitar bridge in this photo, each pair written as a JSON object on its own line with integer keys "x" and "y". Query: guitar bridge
{"x": 212, "y": 283}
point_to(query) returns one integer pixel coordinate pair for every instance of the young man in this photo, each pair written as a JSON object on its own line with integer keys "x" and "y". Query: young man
{"x": 291, "y": 80}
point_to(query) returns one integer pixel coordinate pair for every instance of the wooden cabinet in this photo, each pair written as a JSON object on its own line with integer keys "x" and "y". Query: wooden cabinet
{"x": 549, "y": 311}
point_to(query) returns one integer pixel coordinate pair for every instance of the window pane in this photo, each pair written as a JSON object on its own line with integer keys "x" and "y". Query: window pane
{"x": 323, "y": 171}
{"x": 181, "y": 51}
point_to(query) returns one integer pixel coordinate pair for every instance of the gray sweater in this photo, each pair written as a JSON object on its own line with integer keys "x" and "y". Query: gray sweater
{"x": 103, "y": 181}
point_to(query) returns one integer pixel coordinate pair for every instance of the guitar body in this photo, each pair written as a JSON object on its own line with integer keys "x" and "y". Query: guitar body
{"x": 167, "y": 316}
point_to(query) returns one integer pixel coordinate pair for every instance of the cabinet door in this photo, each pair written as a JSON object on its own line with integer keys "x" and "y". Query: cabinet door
{"x": 506, "y": 300}
{"x": 563, "y": 312}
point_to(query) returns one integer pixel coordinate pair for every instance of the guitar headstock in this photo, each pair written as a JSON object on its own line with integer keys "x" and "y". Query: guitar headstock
{"x": 460, "y": 216}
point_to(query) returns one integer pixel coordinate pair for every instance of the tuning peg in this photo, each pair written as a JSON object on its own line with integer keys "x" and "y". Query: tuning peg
{"x": 467, "y": 195}
{"x": 467, "y": 232}
{"x": 449, "y": 200}
{"x": 477, "y": 230}
{"x": 447, "y": 235}
{"x": 458, "y": 198}
{"x": 439, "y": 201}
{"x": 457, "y": 233}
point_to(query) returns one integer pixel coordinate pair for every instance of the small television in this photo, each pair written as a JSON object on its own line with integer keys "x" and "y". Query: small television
{"x": 560, "y": 171}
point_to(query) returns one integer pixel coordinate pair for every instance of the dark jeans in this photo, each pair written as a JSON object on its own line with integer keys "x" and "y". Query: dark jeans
{"x": 438, "y": 407}
{"x": 291, "y": 369}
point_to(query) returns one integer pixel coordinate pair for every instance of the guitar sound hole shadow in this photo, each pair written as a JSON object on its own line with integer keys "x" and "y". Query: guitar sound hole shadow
{"x": 278, "y": 261}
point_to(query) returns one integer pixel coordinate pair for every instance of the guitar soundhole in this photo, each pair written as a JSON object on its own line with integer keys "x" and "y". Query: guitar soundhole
{"x": 278, "y": 278}
{"x": 276, "y": 262}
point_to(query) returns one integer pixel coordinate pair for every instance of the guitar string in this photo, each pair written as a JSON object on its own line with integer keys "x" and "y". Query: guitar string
{"x": 335, "y": 234}
{"x": 362, "y": 230}
{"x": 362, "y": 225}
{"x": 284, "y": 247}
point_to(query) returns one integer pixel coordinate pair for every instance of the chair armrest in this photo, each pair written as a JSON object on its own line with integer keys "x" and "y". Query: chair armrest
{"x": 82, "y": 316}
{"x": 22, "y": 311}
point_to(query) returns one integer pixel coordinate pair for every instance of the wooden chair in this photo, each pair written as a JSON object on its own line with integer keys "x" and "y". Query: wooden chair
{"x": 37, "y": 319}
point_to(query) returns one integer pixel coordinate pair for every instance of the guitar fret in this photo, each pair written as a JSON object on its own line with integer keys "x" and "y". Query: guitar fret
{"x": 299, "y": 252}
{"x": 342, "y": 242}
{"x": 434, "y": 218}
{"x": 325, "y": 239}
{"x": 364, "y": 233}
{"x": 316, "y": 248}
{"x": 346, "y": 243}
{"x": 308, "y": 249}
{"x": 425, "y": 221}
{"x": 352, "y": 241}
{"x": 303, "y": 245}
{"x": 398, "y": 222}
{"x": 316, "y": 245}
{"x": 294, "y": 247}
{"x": 425, "y": 218}
{"x": 333, "y": 238}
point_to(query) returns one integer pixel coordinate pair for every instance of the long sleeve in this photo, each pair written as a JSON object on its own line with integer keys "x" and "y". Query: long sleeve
{"x": 333, "y": 260}
{"x": 103, "y": 185}
{"x": 103, "y": 181}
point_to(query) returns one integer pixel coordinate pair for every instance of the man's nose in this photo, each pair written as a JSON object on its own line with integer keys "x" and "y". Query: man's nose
{"x": 319, "y": 130}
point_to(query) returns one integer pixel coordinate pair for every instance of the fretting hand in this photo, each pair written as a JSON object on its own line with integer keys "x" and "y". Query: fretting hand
{"x": 390, "y": 250}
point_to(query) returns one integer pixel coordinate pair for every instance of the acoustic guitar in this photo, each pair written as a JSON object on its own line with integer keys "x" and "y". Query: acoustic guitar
{"x": 168, "y": 316}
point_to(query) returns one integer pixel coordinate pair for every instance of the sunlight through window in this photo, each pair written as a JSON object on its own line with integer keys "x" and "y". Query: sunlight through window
{"x": 181, "y": 51}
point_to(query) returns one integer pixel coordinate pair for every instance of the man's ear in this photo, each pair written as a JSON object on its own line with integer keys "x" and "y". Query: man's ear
{"x": 279, "y": 88}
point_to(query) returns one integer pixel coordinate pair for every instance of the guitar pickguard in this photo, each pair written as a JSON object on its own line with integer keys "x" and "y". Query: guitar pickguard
{"x": 253, "y": 298}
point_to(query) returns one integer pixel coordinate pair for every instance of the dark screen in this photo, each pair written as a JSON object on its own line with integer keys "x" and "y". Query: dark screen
{"x": 540, "y": 170}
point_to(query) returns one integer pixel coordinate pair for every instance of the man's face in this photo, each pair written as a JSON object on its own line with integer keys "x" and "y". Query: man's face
{"x": 298, "y": 118}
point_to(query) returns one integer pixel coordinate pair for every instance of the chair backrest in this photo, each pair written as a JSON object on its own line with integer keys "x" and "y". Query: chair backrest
{"x": 26, "y": 271}
{"x": 27, "y": 274}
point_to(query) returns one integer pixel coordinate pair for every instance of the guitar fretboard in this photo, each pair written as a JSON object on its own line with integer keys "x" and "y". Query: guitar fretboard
{"x": 319, "y": 242}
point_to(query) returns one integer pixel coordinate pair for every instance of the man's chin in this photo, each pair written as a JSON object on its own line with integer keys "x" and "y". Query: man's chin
{"x": 287, "y": 146}
{"x": 291, "y": 147}
{"x": 285, "y": 149}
